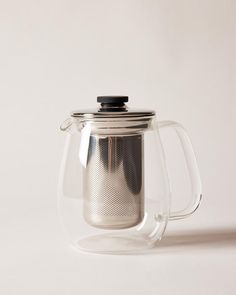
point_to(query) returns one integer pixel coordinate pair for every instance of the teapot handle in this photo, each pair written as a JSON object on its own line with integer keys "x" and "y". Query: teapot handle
{"x": 192, "y": 167}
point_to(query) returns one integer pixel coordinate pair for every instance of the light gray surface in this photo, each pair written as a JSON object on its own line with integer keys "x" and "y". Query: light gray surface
{"x": 177, "y": 57}
{"x": 192, "y": 259}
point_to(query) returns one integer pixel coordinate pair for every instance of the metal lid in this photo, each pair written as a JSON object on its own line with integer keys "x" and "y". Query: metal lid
{"x": 112, "y": 107}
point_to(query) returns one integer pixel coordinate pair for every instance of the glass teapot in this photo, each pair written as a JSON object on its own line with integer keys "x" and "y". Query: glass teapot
{"x": 114, "y": 191}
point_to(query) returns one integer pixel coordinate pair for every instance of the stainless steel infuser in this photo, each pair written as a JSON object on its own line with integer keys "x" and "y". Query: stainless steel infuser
{"x": 113, "y": 178}
{"x": 113, "y": 181}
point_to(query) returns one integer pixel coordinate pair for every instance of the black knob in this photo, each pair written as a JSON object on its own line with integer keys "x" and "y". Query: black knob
{"x": 114, "y": 99}
{"x": 114, "y": 103}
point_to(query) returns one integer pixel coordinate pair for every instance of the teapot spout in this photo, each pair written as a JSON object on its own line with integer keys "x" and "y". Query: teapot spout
{"x": 66, "y": 124}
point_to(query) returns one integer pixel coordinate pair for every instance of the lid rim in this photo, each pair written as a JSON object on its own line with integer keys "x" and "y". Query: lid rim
{"x": 116, "y": 115}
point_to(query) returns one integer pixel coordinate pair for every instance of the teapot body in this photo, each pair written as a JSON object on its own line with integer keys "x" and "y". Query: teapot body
{"x": 113, "y": 190}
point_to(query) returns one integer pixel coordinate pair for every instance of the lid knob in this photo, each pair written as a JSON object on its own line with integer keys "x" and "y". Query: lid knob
{"x": 115, "y": 103}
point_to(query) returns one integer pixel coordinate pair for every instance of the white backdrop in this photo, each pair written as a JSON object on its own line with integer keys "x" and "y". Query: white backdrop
{"x": 177, "y": 57}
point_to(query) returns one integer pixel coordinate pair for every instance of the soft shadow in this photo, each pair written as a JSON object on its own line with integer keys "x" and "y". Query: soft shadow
{"x": 201, "y": 239}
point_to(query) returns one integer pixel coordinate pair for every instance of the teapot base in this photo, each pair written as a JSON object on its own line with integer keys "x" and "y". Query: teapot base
{"x": 117, "y": 243}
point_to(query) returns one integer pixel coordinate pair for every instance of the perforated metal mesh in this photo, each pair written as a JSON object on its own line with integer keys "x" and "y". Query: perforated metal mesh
{"x": 113, "y": 181}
